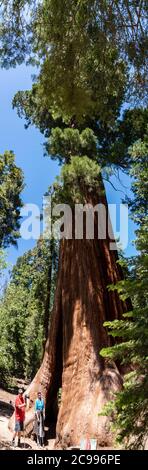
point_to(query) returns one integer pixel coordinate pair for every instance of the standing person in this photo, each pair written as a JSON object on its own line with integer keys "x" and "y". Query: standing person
{"x": 39, "y": 418}
{"x": 19, "y": 416}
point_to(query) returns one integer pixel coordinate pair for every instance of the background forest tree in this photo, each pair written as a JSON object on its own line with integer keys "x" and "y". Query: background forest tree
{"x": 25, "y": 311}
{"x": 91, "y": 59}
{"x": 11, "y": 185}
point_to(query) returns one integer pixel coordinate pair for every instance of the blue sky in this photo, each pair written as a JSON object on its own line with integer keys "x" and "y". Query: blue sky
{"x": 39, "y": 171}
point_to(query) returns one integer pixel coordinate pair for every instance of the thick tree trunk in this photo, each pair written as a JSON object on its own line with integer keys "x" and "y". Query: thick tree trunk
{"x": 87, "y": 380}
{"x": 76, "y": 335}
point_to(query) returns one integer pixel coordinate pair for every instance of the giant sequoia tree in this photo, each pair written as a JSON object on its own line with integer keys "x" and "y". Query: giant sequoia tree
{"x": 75, "y": 101}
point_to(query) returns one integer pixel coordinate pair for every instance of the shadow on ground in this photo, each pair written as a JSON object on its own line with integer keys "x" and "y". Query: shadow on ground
{"x": 6, "y": 409}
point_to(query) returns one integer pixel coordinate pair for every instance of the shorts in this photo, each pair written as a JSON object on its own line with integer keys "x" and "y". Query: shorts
{"x": 19, "y": 426}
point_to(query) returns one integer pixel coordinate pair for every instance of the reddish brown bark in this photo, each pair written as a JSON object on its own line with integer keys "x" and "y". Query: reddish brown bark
{"x": 76, "y": 335}
{"x": 87, "y": 381}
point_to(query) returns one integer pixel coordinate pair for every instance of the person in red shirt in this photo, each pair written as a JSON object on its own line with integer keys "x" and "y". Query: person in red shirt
{"x": 19, "y": 416}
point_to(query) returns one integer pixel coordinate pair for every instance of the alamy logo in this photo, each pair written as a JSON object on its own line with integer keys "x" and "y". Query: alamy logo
{"x": 57, "y": 221}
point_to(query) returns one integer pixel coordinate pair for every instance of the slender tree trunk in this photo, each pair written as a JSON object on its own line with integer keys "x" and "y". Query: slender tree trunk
{"x": 76, "y": 335}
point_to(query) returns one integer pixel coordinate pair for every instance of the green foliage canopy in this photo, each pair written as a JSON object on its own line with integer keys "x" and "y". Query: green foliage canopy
{"x": 75, "y": 29}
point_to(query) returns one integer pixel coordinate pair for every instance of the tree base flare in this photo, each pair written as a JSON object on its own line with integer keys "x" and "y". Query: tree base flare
{"x": 80, "y": 407}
